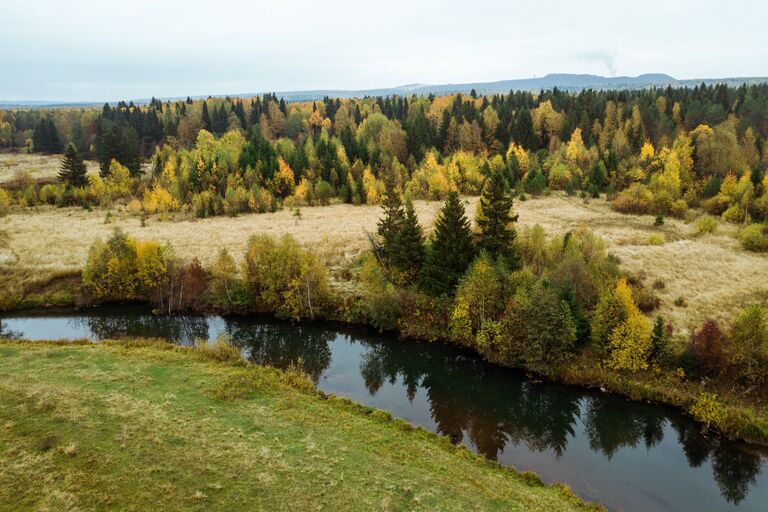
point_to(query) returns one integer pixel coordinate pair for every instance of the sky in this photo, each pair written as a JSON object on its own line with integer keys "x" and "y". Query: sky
{"x": 99, "y": 50}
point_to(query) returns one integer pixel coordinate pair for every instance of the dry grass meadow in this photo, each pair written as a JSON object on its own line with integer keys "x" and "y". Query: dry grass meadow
{"x": 39, "y": 167}
{"x": 713, "y": 275}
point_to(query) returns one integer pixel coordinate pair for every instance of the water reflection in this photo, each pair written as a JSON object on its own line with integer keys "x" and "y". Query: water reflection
{"x": 590, "y": 440}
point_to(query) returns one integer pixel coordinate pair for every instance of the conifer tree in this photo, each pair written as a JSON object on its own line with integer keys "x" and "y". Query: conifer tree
{"x": 389, "y": 226}
{"x": 73, "y": 169}
{"x": 452, "y": 249}
{"x": 206, "y": 119}
{"x": 495, "y": 218}
{"x": 407, "y": 255}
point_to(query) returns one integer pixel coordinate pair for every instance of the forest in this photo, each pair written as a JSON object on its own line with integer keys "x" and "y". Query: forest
{"x": 558, "y": 305}
{"x": 659, "y": 151}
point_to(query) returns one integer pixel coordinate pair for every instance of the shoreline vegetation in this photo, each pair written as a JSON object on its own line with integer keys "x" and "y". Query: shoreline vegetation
{"x": 116, "y": 435}
{"x": 734, "y": 416}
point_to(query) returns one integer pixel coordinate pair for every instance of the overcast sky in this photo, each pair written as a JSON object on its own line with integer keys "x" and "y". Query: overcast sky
{"x": 114, "y": 49}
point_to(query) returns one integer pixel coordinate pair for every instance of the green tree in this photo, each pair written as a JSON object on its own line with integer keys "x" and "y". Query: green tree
{"x": 390, "y": 224}
{"x": 659, "y": 341}
{"x": 749, "y": 336}
{"x": 206, "y": 118}
{"x": 408, "y": 253}
{"x": 73, "y": 169}
{"x": 452, "y": 248}
{"x": 495, "y": 220}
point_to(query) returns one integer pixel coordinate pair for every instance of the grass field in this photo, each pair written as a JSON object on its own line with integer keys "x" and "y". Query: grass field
{"x": 39, "y": 167}
{"x": 711, "y": 272}
{"x": 150, "y": 426}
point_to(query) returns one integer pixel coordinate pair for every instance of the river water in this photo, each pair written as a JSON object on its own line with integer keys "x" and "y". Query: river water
{"x": 628, "y": 456}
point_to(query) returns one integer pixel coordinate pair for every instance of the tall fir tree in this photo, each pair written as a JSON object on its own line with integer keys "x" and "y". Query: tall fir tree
{"x": 407, "y": 256}
{"x": 390, "y": 224}
{"x": 495, "y": 220}
{"x": 73, "y": 170}
{"x": 45, "y": 138}
{"x": 206, "y": 119}
{"x": 452, "y": 249}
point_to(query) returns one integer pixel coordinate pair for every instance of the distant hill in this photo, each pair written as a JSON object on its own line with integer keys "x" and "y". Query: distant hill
{"x": 563, "y": 81}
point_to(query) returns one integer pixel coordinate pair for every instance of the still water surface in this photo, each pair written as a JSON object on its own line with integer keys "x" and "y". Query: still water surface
{"x": 627, "y": 456}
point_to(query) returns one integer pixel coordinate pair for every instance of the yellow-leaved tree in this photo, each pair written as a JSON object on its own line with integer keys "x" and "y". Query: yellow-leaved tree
{"x": 630, "y": 341}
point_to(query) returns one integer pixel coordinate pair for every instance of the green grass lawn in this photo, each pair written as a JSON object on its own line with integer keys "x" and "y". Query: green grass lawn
{"x": 149, "y": 426}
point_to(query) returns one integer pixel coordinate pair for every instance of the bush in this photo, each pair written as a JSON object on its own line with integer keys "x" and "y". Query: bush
{"x": 656, "y": 239}
{"x": 754, "y": 237}
{"x": 381, "y": 299}
{"x": 706, "y": 224}
{"x": 285, "y": 279}
{"x": 749, "y": 335}
{"x": 636, "y": 199}
{"x": 5, "y": 202}
{"x": 52, "y": 194}
{"x": 708, "y": 410}
{"x": 707, "y": 349}
{"x": 323, "y": 192}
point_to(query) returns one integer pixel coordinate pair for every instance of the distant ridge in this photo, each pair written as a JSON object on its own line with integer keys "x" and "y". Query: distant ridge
{"x": 563, "y": 81}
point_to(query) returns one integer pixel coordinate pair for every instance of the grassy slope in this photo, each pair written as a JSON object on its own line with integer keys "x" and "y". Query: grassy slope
{"x": 134, "y": 426}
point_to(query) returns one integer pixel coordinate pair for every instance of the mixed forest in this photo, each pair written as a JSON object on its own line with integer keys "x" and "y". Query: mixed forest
{"x": 560, "y": 305}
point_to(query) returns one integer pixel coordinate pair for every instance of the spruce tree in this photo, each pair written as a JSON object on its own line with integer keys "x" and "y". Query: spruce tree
{"x": 206, "y": 120}
{"x": 497, "y": 234}
{"x": 408, "y": 254}
{"x": 389, "y": 226}
{"x": 452, "y": 249}
{"x": 73, "y": 169}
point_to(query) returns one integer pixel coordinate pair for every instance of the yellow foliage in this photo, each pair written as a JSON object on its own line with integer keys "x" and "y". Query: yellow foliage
{"x": 5, "y": 202}
{"x": 303, "y": 193}
{"x": 158, "y": 199}
{"x": 283, "y": 182}
{"x": 647, "y": 152}
{"x": 630, "y": 342}
{"x": 374, "y": 188}
{"x": 523, "y": 160}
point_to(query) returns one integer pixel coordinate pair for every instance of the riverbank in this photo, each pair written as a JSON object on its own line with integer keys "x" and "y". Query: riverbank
{"x": 136, "y": 425}
{"x": 737, "y": 415}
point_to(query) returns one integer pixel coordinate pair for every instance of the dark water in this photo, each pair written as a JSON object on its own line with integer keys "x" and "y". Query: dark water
{"x": 625, "y": 455}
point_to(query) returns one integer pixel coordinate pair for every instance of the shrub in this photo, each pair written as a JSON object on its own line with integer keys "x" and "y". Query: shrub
{"x": 635, "y": 199}
{"x": 708, "y": 410}
{"x": 235, "y": 200}
{"x": 656, "y": 239}
{"x": 5, "y": 202}
{"x": 749, "y": 335}
{"x": 284, "y": 278}
{"x": 706, "y": 348}
{"x": 646, "y": 299}
{"x": 158, "y": 199}
{"x": 323, "y": 192}
{"x": 754, "y": 237}
{"x": 221, "y": 350}
{"x": 680, "y": 302}
{"x": 659, "y": 221}
{"x": 381, "y": 298}
{"x": 52, "y": 193}
{"x": 706, "y": 224}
